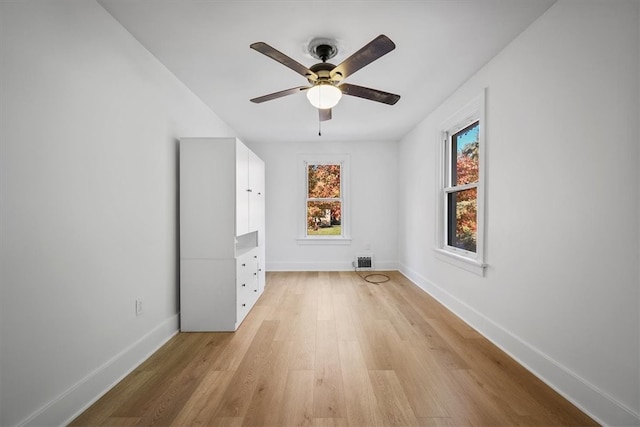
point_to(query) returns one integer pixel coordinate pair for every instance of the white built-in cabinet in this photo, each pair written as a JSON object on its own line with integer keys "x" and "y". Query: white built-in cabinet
{"x": 222, "y": 247}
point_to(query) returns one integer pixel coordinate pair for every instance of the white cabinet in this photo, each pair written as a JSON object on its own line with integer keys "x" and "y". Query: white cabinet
{"x": 221, "y": 233}
{"x": 256, "y": 192}
{"x": 249, "y": 190}
{"x": 242, "y": 190}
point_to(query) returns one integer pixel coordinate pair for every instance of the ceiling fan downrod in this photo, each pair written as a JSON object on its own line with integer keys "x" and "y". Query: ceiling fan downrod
{"x": 324, "y": 52}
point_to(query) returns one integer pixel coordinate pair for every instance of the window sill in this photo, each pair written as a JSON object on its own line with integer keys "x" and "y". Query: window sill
{"x": 324, "y": 240}
{"x": 468, "y": 264}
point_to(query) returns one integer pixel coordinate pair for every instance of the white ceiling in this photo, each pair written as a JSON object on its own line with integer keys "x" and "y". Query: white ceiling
{"x": 440, "y": 44}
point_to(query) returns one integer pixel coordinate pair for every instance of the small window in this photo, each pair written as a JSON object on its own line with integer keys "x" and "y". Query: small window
{"x": 461, "y": 213}
{"x": 324, "y": 180}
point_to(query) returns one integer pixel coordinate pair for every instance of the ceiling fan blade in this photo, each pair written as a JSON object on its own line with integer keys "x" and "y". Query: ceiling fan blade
{"x": 325, "y": 114}
{"x": 279, "y": 94}
{"x": 376, "y": 48}
{"x": 367, "y": 93}
{"x": 276, "y": 55}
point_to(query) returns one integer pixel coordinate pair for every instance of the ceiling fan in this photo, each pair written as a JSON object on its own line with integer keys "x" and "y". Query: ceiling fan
{"x": 326, "y": 79}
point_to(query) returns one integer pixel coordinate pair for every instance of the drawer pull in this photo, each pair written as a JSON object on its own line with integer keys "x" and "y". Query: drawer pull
{"x": 244, "y": 265}
{"x": 244, "y": 305}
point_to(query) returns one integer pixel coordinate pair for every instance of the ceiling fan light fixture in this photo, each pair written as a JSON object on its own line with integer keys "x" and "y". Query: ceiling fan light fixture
{"x": 324, "y": 95}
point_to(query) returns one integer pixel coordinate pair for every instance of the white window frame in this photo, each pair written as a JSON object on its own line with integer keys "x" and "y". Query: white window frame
{"x": 304, "y": 160}
{"x": 470, "y": 261}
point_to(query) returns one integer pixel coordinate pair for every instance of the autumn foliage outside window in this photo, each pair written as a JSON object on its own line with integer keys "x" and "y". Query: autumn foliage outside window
{"x": 324, "y": 202}
{"x": 462, "y": 191}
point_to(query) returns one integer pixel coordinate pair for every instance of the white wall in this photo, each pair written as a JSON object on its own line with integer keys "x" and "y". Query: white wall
{"x": 89, "y": 130}
{"x": 561, "y": 290}
{"x": 373, "y": 205}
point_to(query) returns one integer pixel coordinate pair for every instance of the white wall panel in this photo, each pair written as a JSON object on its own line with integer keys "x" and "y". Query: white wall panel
{"x": 88, "y": 172}
{"x": 561, "y": 287}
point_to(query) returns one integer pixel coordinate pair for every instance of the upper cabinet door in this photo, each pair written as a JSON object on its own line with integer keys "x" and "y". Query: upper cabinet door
{"x": 207, "y": 196}
{"x": 256, "y": 195}
{"x": 243, "y": 189}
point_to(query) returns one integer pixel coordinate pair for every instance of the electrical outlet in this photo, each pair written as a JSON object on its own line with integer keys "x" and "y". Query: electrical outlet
{"x": 138, "y": 307}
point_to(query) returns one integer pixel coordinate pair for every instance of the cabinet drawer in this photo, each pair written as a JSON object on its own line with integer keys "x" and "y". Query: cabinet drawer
{"x": 245, "y": 300}
{"x": 247, "y": 269}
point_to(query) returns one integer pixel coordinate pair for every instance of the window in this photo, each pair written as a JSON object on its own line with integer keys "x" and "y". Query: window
{"x": 462, "y": 188}
{"x": 324, "y": 200}
{"x": 461, "y": 219}
{"x": 324, "y": 180}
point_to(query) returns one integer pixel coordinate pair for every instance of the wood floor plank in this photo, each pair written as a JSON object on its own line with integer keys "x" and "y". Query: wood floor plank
{"x": 121, "y": 422}
{"x": 391, "y": 399}
{"x": 237, "y": 347}
{"x": 485, "y": 409}
{"x": 325, "y": 303}
{"x": 227, "y": 422}
{"x": 372, "y": 345}
{"x": 299, "y": 397}
{"x": 288, "y": 313}
{"x": 175, "y": 395}
{"x": 170, "y": 369}
{"x": 526, "y": 393}
{"x": 421, "y": 385}
{"x": 360, "y": 400}
{"x": 437, "y": 422}
{"x": 268, "y": 401}
{"x": 201, "y": 409}
{"x": 304, "y": 355}
{"x": 342, "y": 314}
{"x": 328, "y": 392}
{"x": 330, "y": 349}
{"x": 330, "y": 422}
{"x": 124, "y": 391}
{"x": 306, "y": 322}
{"x": 236, "y": 400}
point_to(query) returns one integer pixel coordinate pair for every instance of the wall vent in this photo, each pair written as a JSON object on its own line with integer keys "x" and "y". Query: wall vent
{"x": 364, "y": 262}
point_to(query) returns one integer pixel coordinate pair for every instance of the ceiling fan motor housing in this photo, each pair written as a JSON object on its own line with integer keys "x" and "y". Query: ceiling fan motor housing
{"x": 323, "y": 71}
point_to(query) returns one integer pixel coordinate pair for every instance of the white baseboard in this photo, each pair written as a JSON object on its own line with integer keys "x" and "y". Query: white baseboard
{"x": 590, "y": 399}
{"x": 71, "y": 403}
{"x": 326, "y": 266}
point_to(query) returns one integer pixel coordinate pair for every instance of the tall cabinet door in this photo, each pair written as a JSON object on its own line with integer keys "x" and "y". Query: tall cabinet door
{"x": 256, "y": 193}
{"x": 207, "y": 195}
{"x": 242, "y": 189}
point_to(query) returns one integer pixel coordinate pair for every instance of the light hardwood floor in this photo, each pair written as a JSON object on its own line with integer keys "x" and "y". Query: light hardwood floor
{"x": 329, "y": 349}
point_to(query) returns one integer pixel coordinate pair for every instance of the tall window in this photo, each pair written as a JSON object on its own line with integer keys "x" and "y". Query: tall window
{"x": 461, "y": 217}
{"x": 324, "y": 200}
{"x": 324, "y": 180}
{"x": 462, "y": 188}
